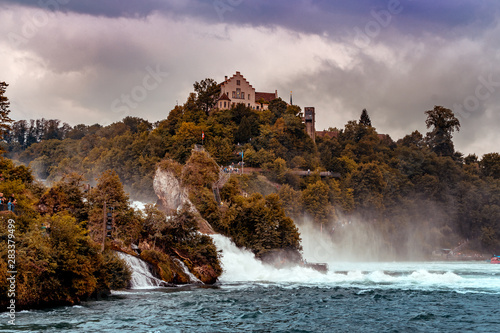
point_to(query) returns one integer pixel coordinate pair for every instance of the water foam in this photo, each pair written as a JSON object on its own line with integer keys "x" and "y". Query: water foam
{"x": 139, "y": 205}
{"x": 240, "y": 265}
{"x": 141, "y": 278}
{"x": 191, "y": 276}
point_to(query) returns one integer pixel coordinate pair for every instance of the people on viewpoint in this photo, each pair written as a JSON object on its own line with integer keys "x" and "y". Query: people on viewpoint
{"x": 2, "y": 201}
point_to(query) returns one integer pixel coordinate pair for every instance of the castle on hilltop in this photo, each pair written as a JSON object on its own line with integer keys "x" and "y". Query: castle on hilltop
{"x": 237, "y": 90}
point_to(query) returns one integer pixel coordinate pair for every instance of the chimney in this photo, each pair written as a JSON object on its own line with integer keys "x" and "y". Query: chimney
{"x": 276, "y": 94}
{"x": 225, "y": 78}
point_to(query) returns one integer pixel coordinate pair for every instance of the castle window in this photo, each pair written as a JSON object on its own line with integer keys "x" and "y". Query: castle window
{"x": 224, "y": 103}
{"x": 242, "y": 95}
{"x": 238, "y": 93}
{"x": 234, "y": 94}
{"x": 237, "y": 82}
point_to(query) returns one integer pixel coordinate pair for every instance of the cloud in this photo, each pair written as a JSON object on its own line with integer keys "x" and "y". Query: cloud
{"x": 75, "y": 62}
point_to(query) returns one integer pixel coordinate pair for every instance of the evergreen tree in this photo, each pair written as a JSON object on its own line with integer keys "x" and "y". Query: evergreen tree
{"x": 4, "y": 109}
{"x": 365, "y": 118}
{"x": 244, "y": 131}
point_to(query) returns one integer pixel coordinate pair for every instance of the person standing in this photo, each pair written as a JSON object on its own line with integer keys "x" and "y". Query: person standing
{"x": 2, "y": 202}
{"x": 11, "y": 204}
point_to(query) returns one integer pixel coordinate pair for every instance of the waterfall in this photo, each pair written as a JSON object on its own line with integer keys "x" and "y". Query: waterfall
{"x": 192, "y": 278}
{"x": 241, "y": 265}
{"x": 142, "y": 277}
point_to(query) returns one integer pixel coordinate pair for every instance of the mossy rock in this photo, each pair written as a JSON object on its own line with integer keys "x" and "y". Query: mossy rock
{"x": 165, "y": 267}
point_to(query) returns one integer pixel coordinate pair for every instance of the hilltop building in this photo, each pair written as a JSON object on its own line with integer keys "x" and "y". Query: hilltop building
{"x": 310, "y": 121}
{"x": 237, "y": 89}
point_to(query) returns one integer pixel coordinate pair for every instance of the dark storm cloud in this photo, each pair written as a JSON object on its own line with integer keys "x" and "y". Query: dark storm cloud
{"x": 336, "y": 17}
{"x": 108, "y": 8}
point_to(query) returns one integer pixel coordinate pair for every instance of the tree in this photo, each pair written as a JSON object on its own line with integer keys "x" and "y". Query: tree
{"x": 490, "y": 165}
{"x": 414, "y": 139}
{"x": 207, "y": 92}
{"x": 66, "y": 194}
{"x": 291, "y": 201}
{"x": 368, "y": 184}
{"x": 277, "y": 170}
{"x": 136, "y": 124}
{"x": 260, "y": 224}
{"x": 19, "y": 130}
{"x": 444, "y": 123}
{"x": 278, "y": 108}
{"x": 52, "y": 130}
{"x": 109, "y": 190}
{"x": 4, "y": 109}
{"x": 173, "y": 121}
{"x": 200, "y": 170}
{"x": 365, "y": 118}
{"x": 221, "y": 150}
{"x": 244, "y": 131}
{"x": 187, "y": 136}
{"x": 315, "y": 201}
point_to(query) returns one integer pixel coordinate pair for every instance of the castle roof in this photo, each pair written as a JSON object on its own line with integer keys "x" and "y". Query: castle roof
{"x": 329, "y": 134}
{"x": 265, "y": 96}
{"x": 224, "y": 97}
{"x": 232, "y": 77}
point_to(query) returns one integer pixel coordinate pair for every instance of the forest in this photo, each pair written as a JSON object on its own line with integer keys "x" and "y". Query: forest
{"x": 416, "y": 190}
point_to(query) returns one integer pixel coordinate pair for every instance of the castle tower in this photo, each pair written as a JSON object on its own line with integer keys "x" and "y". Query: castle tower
{"x": 309, "y": 120}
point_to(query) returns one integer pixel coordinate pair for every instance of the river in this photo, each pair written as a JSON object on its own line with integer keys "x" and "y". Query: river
{"x": 252, "y": 297}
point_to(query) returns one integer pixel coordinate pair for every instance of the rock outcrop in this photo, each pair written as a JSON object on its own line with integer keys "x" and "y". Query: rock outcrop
{"x": 172, "y": 196}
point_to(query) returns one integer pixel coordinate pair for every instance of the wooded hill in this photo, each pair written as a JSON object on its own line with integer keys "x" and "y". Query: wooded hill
{"x": 417, "y": 189}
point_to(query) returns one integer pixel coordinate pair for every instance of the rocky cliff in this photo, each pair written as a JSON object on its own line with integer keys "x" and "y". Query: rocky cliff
{"x": 172, "y": 196}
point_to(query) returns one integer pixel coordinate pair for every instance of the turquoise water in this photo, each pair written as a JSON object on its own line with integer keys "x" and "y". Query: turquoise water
{"x": 252, "y": 297}
{"x": 274, "y": 308}
{"x": 395, "y": 297}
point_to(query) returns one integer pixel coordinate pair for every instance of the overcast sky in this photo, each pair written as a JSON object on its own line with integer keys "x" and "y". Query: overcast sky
{"x": 98, "y": 61}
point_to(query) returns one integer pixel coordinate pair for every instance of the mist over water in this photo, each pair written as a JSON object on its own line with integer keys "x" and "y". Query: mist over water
{"x": 241, "y": 266}
{"x": 350, "y": 241}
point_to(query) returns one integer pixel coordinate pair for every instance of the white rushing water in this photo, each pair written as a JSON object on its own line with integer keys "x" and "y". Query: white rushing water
{"x": 142, "y": 278}
{"x": 192, "y": 278}
{"x": 138, "y": 205}
{"x": 240, "y": 265}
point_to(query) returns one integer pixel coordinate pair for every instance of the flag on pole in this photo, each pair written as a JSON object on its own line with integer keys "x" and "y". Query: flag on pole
{"x": 202, "y": 135}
